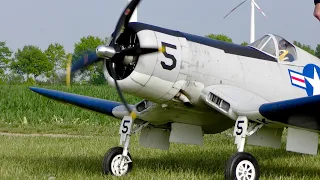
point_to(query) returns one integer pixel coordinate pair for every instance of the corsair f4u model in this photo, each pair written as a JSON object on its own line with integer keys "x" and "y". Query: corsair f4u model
{"x": 193, "y": 86}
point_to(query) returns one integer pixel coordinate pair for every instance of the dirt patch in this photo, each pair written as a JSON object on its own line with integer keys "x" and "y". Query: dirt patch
{"x": 43, "y": 135}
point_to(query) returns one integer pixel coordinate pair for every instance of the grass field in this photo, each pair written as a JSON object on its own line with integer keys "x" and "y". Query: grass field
{"x": 23, "y": 110}
{"x": 81, "y": 157}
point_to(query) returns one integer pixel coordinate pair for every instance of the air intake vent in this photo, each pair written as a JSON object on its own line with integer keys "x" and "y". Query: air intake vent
{"x": 143, "y": 105}
{"x": 219, "y": 102}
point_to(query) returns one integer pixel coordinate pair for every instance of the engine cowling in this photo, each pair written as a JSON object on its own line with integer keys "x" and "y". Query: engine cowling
{"x": 158, "y": 76}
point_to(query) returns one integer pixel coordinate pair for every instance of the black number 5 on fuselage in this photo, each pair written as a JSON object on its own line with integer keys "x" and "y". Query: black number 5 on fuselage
{"x": 169, "y": 56}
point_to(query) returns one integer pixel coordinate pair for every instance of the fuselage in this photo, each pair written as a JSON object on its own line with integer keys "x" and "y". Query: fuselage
{"x": 190, "y": 63}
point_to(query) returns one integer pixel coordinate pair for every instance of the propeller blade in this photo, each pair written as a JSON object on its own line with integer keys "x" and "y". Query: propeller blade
{"x": 235, "y": 8}
{"x": 110, "y": 52}
{"x": 259, "y": 9}
{"x": 85, "y": 61}
{"x": 68, "y": 76}
{"x": 124, "y": 20}
{"x": 112, "y": 67}
{"x": 137, "y": 51}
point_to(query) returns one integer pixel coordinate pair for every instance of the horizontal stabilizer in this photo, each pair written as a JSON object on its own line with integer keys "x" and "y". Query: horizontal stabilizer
{"x": 95, "y": 104}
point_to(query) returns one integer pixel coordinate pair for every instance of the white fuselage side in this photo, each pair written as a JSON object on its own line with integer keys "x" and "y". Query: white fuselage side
{"x": 189, "y": 67}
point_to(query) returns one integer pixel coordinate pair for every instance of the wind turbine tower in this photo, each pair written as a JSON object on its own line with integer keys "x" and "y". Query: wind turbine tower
{"x": 252, "y": 24}
{"x": 252, "y": 29}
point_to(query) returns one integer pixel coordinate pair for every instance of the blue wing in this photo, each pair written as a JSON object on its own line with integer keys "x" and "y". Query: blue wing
{"x": 110, "y": 108}
{"x": 301, "y": 112}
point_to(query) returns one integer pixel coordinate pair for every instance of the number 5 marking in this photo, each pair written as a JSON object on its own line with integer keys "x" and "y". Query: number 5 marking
{"x": 125, "y": 127}
{"x": 169, "y": 56}
{"x": 239, "y": 127}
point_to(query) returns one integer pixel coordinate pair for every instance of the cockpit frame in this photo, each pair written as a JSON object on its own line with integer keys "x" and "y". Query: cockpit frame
{"x": 277, "y": 47}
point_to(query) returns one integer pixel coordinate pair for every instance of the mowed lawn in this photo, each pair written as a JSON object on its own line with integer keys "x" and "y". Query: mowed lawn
{"x": 22, "y": 111}
{"x": 81, "y": 158}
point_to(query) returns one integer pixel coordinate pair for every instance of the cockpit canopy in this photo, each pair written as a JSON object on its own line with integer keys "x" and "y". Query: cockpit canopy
{"x": 277, "y": 47}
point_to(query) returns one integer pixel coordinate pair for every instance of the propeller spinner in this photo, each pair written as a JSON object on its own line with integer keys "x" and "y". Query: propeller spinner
{"x": 113, "y": 52}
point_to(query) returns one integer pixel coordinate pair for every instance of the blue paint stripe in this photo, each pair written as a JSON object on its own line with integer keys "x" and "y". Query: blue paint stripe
{"x": 95, "y": 104}
{"x": 230, "y": 48}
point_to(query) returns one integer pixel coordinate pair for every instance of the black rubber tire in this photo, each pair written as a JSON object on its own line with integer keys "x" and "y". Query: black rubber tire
{"x": 231, "y": 165}
{"x": 108, "y": 157}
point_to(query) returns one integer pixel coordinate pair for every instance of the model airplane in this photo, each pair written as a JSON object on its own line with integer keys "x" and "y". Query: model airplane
{"x": 193, "y": 86}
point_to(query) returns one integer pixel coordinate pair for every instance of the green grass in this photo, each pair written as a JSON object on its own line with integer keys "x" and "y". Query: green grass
{"x": 81, "y": 158}
{"x": 23, "y": 110}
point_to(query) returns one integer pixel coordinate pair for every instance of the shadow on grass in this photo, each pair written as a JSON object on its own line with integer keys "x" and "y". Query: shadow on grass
{"x": 208, "y": 162}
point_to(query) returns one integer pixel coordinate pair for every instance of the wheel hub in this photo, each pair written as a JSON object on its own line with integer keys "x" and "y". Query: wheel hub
{"x": 117, "y": 167}
{"x": 245, "y": 170}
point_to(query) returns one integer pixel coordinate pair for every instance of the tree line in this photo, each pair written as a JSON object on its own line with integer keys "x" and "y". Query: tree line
{"x": 31, "y": 65}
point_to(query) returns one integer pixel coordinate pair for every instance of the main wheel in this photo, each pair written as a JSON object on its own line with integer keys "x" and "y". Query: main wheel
{"x": 112, "y": 162}
{"x": 242, "y": 166}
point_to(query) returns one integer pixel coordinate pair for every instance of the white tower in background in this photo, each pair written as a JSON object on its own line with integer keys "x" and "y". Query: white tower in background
{"x": 252, "y": 33}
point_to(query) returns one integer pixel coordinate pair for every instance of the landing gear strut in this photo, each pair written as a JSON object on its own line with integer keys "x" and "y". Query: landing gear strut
{"x": 117, "y": 161}
{"x": 242, "y": 165}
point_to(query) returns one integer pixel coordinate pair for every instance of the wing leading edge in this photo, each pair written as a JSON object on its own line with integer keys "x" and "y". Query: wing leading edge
{"x": 107, "y": 107}
{"x": 301, "y": 112}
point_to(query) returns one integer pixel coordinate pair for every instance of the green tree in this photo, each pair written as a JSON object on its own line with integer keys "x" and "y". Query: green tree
{"x": 5, "y": 55}
{"x": 317, "y": 53}
{"x": 85, "y": 46}
{"x": 220, "y": 37}
{"x": 31, "y": 61}
{"x": 244, "y": 44}
{"x": 304, "y": 47}
{"x": 57, "y": 57}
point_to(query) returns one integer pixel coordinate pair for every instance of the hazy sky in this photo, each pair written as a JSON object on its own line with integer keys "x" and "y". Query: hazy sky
{"x": 41, "y": 22}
